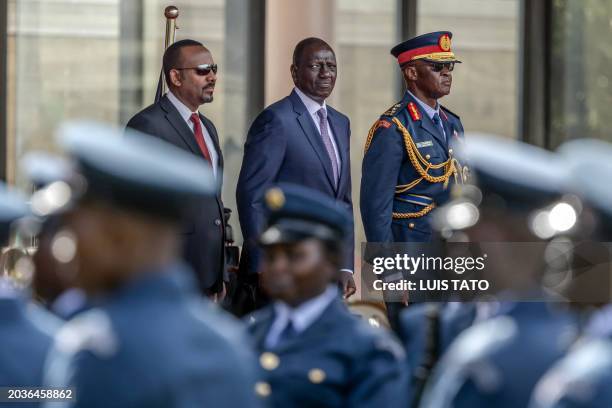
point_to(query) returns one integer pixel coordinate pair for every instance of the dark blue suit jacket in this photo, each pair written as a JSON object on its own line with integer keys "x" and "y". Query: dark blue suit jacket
{"x": 284, "y": 145}
{"x": 204, "y": 233}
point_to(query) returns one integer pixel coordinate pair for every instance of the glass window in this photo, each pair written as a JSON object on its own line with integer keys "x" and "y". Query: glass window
{"x": 580, "y": 80}
{"x": 486, "y": 39}
{"x": 367, "y": 74}
{"x": 101, "y": 59}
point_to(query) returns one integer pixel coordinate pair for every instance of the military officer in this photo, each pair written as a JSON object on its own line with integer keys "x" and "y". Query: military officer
{"x": 408, "y": 165}
{"x": 498, "y": 361}
{"x": 584, "y": 377}
{"x": 149, "y": 339}
{"x": 313, "y": 352}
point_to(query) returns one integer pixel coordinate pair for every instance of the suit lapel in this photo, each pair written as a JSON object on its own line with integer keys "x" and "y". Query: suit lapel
{"x": 215, "y": 139}
{"x": 340, "y": 134}
{"x": 261, "y": 327}
{"x": 449, "y": 128}
{"x": 313, "y": 136}
{"x": 179, "y": 124}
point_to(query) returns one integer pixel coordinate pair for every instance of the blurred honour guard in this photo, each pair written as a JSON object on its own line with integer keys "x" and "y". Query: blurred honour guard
{"x": 313, "y": 352}
{"x": 148, "y": 339}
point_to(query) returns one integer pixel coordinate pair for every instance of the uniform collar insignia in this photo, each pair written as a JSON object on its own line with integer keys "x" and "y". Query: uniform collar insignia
{"x": 414, "y": 111}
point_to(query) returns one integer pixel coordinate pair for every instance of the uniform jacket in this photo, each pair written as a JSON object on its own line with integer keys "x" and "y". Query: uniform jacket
{"x": 357, "y": 365}
{"x": 414, "y": 329}
{"x": 154, "y": 343}
{"x": 284, "y": 145}
{"x": 25, "y": 340}
{"x": 497, "y": 363}
{"x": 581, "y": 379}
{"x": 387, "y": 164}
{"x": 204, "y": 233}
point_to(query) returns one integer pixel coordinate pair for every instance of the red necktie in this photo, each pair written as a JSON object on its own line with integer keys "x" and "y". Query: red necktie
{"x": 199, "y": 136}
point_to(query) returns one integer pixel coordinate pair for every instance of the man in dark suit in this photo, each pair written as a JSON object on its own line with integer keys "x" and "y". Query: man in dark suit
{"x": 301, "y": 140}
{"x": 190, "y": 73}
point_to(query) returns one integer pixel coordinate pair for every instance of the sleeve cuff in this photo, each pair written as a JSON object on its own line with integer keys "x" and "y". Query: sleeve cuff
{"x": 347, "y": 270}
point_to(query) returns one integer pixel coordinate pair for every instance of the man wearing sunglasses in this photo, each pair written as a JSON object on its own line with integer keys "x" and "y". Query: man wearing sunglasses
{"x": 408, "y": 162}
{"x": 190, "y": 74}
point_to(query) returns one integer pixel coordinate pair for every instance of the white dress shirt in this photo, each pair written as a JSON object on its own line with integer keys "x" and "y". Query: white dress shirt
{"x": 186, "y": 113}
{"x": 301, "y": 317}
{"x": 313, "y": 107}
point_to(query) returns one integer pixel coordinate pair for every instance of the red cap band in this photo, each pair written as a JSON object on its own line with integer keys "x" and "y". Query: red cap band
{"x": 407, "y": 56}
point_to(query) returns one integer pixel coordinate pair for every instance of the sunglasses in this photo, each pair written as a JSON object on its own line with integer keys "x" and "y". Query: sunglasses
{"x": 439, "y": 66}
{"x": 203, "y": 69}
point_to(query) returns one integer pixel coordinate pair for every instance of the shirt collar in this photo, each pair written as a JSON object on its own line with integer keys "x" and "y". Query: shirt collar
{"x": 312, "y": 106}
{"x": 305, "y": 314}
{"x": 428, "y": 109}
{"x": 183, "y": 110}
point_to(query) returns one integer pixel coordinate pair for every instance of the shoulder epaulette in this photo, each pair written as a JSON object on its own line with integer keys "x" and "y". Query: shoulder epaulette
{"x": 394, "y": 110}
{"x": 450, "y": 112}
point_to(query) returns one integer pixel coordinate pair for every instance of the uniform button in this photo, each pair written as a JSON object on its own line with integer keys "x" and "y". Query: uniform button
{"x": 217, "y": 222}
{"x": 411, "y": 225}
{"x": 427, "y": 157}
{"x": 262, "y": 389}
{"x": 316, "y": 376}
{"x": 269, "y": 361}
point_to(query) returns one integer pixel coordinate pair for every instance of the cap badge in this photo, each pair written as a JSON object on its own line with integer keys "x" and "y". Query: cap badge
{"x": 275, "y": 199}
{"x": 445, "y": 42}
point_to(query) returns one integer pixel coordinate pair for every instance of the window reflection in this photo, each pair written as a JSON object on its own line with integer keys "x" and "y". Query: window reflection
{"x": 581, "y": 88}
{"x": 486, "y": 39}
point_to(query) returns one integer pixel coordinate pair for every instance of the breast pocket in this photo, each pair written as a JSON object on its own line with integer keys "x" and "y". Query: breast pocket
{"x": 430, "y": 150}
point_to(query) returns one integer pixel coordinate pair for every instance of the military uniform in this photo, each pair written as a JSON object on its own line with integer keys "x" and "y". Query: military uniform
{"x": 150, "y": 340}
{"x": 26, "y": 340}
{"x": 155, "y": 343}
{"x": 427, "y": 330}
{"x": 583, "y": 378}
{"x": 52, "y": 287}
{"x": 317, "y": 354}
{"x": 25, "y": 331}
{"x": 339, "y": 361}
{"x": 408, "y": 163}
{"x": 497, "y": 362}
